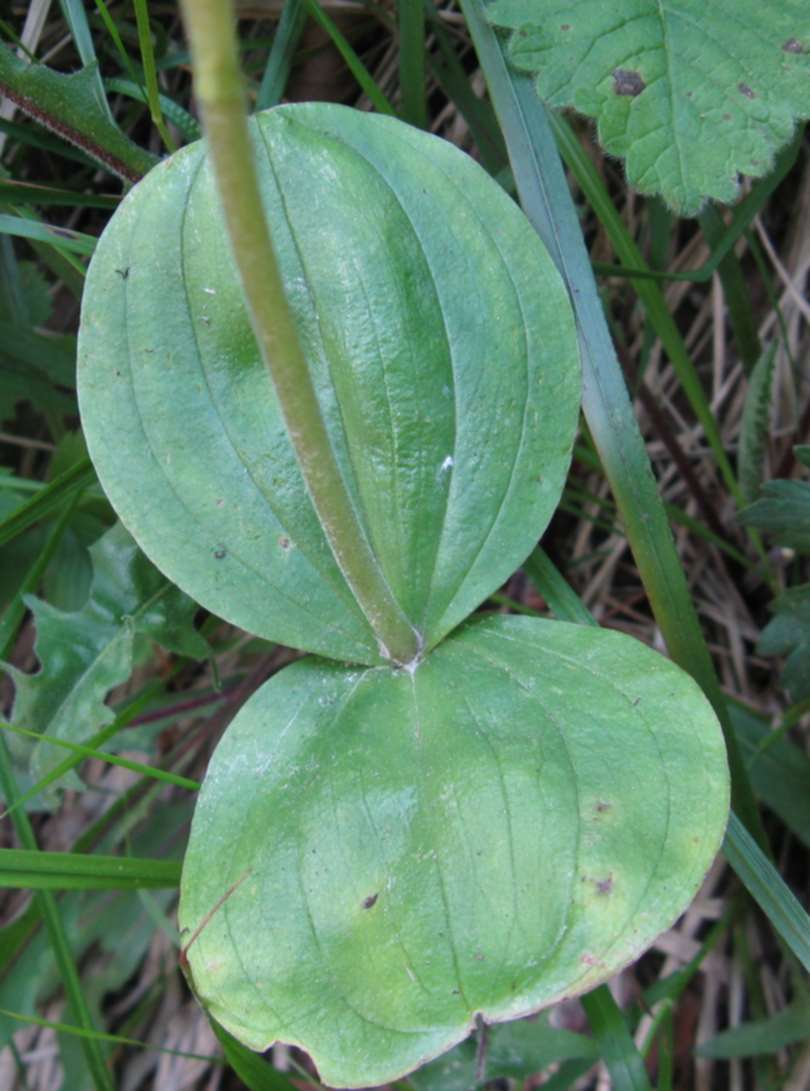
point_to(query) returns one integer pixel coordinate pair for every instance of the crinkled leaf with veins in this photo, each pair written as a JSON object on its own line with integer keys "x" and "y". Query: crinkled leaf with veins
{"x": 690, "y": 93}
{"x": 83, "y": 654}
{"x": 377, "y": 856}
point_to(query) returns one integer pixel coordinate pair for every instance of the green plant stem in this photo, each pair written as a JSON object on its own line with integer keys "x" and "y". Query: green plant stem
{"x": 219, "y": 88}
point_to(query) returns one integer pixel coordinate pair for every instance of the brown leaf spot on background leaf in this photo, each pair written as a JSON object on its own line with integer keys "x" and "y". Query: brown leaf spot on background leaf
{"x": 626, "y": 82}
{"x": 744, "y": 89}
{"x": 793, "y": 45}
{"x": 370, "y": 901}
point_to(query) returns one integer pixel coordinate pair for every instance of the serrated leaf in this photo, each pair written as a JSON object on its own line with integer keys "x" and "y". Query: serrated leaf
{"x": 788, "y": 633}
{"x": 85, "y": 653}
{"x": 690, "y": 94}
{"x": 755, "y": 425}
{"x": 397, "y": 852}
{"x": 432, "y": 323}
{"x": 69, "y": 105}
{"x": 783, "y": 512}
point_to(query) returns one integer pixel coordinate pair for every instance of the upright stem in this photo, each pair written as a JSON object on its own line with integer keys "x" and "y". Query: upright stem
{"x": 218, "y": 84}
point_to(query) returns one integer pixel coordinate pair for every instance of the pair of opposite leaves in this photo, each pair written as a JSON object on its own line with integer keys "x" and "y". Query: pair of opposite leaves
{"x": 378, "y": 855}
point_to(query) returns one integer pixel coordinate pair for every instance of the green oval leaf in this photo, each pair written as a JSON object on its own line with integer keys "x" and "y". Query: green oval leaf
{"x": 441, "y": 343}
{"x": 378, "y": 856}
{"x": 689, "y": 93}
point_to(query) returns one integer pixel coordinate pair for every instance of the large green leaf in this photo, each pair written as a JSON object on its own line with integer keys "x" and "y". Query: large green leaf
{"x": 83, "y": 654}
{"x": 378, "y": 856}
{"x": 691, "y": 94}
{"x": 441, "y": 344}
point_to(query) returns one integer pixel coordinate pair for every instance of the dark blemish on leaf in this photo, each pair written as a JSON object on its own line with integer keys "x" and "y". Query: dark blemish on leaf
{"x": 118, "y": 373}
{"x": 478, "y": 956}
{"x": 123, "y": 273}
{"x": 636, "y": 701}
{"x": 565, "y": 26}
{"x": 726, "y": 117}
{"x": 626, "y": 82}
{"x": 604, "y": 886}
{"x": 793, "y": 45}
{"x": 370, "y": 901}
{"x": 589, "y": 960}
{"x": 284, "y": 542}
{"x": 220, "y": 554}
{"x": 602, "y": 806}
{"x": 744, "y": 89}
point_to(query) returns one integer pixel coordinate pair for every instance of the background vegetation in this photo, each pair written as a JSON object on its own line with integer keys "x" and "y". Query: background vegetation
{"x": 105, "y": 656}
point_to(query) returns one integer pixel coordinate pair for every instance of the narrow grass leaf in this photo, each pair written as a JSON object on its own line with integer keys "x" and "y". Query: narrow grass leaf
{"x": 282, "y": 53}
{"x": 150, "y": 72}
{"x": 618, "y": 1050}
{"x": 49, "y": 911}
{"x": 47, "y": 500}
{"x": 765, "y": 885}
{"x": 412, "y": 62}
{"x": 111, "y": 759}
{"x": 100, "y": 1036}
{"x": 252, "y": 1070}
{"x": 35, "y": 870}
{"x": 761, "y": 1037}
{"x": 63, "y": 237}
{"x": 367, "y": 82}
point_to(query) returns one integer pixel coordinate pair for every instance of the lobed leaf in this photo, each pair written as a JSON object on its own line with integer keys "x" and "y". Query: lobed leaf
{"x": 83, "y": 654}
{"x": 506, "y": 825}
{"x": 690, "y": 94}
{"x": 432, "y": 323}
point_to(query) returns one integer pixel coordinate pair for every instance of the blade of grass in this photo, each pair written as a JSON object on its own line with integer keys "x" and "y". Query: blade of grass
{"x": 412, "y": 62}
{"x": 49, "y": 911}
{"x": 741, "y": 312}
{"x": 282, "y": 53}
{"x": 111, "y": 759}
{"x": 618, "y": 1050}
{"x": 31, "y": 869}
{"x": 548, "y": 204}
{"x": 26, "y": 192}
{"x": 48, "y": 499}
{"x": 76, "y": 19}
{"x": 648, "y": 292}
{"x": 150, "y": 72}
{"x": 252, "y": 1070}
{"x": 100, "y": 1036}
{"x": 353, "y": 62}
{"x": 61, "y": 237}
{"x": 189, "y": 127}
{"x": 16, "y": 609}
{"x": 766, "y": 887}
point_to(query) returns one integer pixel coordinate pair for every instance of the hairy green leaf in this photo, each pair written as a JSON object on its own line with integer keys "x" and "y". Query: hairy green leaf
{"x": 70, "y": 106}
{"x": 433, "y": 323}
{"x": 788, "y": 633}
{"x": 506, "y": 825}
{"x": 691, "y": 94}
{"x": 85, "y": 653}
{"x": 755, "y": 425}
{"x": 783, "y": 512}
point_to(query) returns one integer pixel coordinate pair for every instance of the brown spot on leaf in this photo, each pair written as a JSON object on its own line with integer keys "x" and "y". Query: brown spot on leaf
{"x": 627, "y": 82}
{"x": 744, "y": 89}
{"x": 793, "y": 45}
{"x": 565, "y": 26}
{"x": 370, "y": 901}
{"x": 284, "y": 542}
{"x": 604, "y": 886}
{"x": 602, "y": 806}
{"x": 220, "y": 554}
